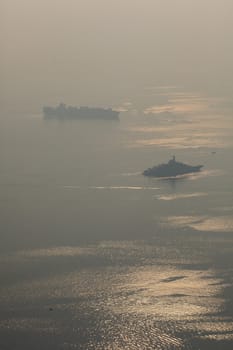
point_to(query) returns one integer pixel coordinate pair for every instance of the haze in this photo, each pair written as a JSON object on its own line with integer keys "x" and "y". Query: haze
{"x": 98, "y": 52}
{"x": 93, "y": 254}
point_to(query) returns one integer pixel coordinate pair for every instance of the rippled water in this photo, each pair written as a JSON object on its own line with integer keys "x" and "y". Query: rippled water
{"x": 96, "y": 256}
{"x": 116, "y": 295}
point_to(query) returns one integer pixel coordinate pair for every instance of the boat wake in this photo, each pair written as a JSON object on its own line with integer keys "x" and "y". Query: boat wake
{"x": 181, "y": 196}
{"x": 132, "y": 174}
{"x": 194, "y": 176}
{"x": 135, "y": 188}
{"x": 205, "y": 173}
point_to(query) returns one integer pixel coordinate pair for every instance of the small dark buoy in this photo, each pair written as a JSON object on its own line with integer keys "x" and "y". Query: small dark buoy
{"x": 50, "y": 309}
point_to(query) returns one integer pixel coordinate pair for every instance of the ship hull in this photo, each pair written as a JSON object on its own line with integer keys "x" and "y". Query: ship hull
{"x": 162, "y": 172}
{"x": 80, "y": 113}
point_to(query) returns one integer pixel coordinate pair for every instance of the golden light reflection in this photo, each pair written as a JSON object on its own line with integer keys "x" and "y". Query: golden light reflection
{"x": 184, "y": 133}
{"x": 181, "y": 102}
{"x": 178, "y": 106}
{"x": 201, "y": 223}
{"x": 133, "y": 188}
{"x": 181, "y": 196}
{"x": 180, "y": 142}
{"x": 184, "y": 120}
{"x": 137, "y": 188}
{"x": 149, "y": 304}
{"x": 124, "y": 107}
{"x": 169, "y": 293}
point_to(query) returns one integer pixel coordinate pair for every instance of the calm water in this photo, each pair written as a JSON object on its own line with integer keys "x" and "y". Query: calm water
{"x": 96, "y": 256}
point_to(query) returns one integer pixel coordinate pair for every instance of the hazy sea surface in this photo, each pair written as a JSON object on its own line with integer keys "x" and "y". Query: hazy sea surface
{"x": 96, "y": 256}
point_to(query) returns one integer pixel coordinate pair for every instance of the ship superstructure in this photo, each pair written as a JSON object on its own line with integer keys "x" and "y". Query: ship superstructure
{"x": 171, "y": 169}
{"x": 69, "y": 112}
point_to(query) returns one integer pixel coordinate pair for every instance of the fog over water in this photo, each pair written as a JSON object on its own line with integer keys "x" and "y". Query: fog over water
{"x": 102, "y": 53}
{"x": 93, "y": 254}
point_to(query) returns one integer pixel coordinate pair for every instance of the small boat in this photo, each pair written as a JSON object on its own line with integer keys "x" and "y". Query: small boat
{"x": 171, "y": 169}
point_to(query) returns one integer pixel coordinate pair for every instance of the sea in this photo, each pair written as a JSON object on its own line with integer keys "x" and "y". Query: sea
{"x": 93, "y": 254}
